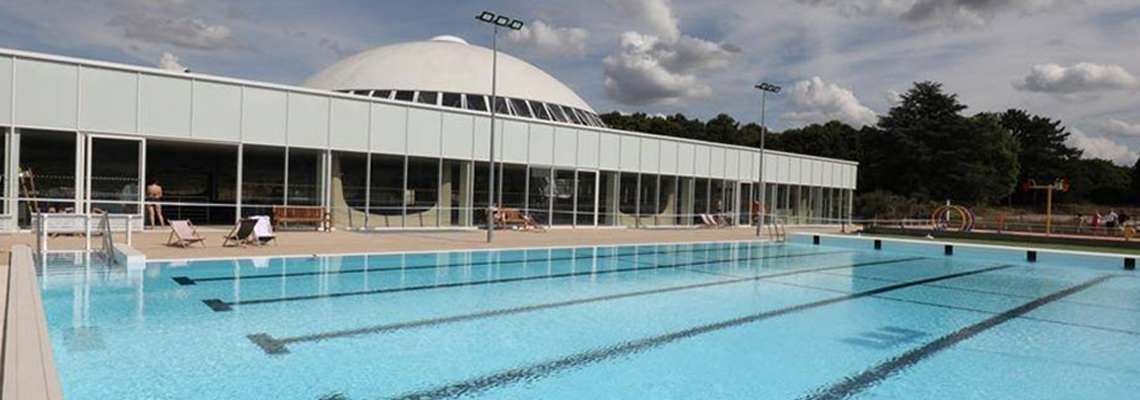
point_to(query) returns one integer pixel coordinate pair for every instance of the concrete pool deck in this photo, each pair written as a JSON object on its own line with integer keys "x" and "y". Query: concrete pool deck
{"x": 153, "y": 243}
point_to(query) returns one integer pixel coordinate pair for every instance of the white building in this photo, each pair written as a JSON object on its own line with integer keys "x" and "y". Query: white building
{"x": 393, "y": 137}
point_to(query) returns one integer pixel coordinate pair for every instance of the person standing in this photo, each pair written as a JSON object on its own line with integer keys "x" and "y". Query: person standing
{"x": 153, "y": 196}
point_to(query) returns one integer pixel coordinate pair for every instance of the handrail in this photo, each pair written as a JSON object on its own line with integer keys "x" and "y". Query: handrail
{"x": 45, "y": 225}
{"x": 108, "y": 249}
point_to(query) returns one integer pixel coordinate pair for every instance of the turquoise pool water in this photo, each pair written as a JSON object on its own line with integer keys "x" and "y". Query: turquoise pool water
{"x": 691, "y": 321}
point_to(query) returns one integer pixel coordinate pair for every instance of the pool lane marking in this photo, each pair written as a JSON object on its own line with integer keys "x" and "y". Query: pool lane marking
{"x": 970, "y": 309}
{"x": 855, "y": 384}
{"x": 277, "y": 346}
{"x": 188, "y": 281}
{"x": 533, "y": 372}
{"x": 994, "y": 293}
{"x": 219, "y": 305}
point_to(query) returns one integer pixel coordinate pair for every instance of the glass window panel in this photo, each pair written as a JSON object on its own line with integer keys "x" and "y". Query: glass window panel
{"x": 571, "y": 115}
{"x": 479, "y": 201}
{"x": 304, "y": 177}
{"x": 194, "y": 175}
{"x": 476, "y": 102}
{"x": 428, "y": 98}
{"x": 262, "y": 179}
{"x": 587, "y": 188}
{"x": 564, "y": 187}
{"x": 115, "y": 174}
{"x": 456, "y": 178}
{"x": 520, "y": 107}
{"x": 539, "y": 110}
{"x": 349, "y": 170}
{"x": 628, "y": 188}
{"x": 454, "y": 100}
{"x": 648, "y": 196}
{"x": 538, "y": 198}
{"x": 700, "y": 199}
{"x": 556, "y": 113}
{"x": 501, "y": 106}
{"x": 422, "y": 196}
{"x": 386, "y": 199}
{"x": 405, "y": 95}
{"x": 383, "y": 94}
{"x": 666, "y": 200}
{"x": 512, "y": 186}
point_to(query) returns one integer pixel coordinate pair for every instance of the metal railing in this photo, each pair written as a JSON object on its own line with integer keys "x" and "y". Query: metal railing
{"x": 48, "y": 225}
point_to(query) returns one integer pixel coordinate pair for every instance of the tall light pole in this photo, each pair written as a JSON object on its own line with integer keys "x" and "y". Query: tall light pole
{"x": 496, "y": 21}
{"x": 764, "y": 88}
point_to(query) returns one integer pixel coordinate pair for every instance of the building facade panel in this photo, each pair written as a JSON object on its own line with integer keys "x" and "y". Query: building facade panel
{"x": 217, "y": 111}
{"x": 46, "y": 94}
{"x": 308, "y": 120}
{"x": 458, "y": 136}
{"x": 717, "y": 159}
{"x": 515, "y": 142}
{"x": 6, "y": 80}
{"x": 609, "y": 151}
{"x": 747, "y": 169}
{"x": 389, "y": 129}
{"x": 164, "y": 106}
{"x": 541, "y": 144}
{"x": 701, "y": 162}
{"x": 482, "y": 139}
{"x": 348, "y": 125}
{"x": 668, "y": 157}
{"x": 263, "y": 116}
{"x": 108, "y": 100}
{"x": 588, "y": 149}
{"x": 650, "y": 156}
{"x": 630, "y": 153}
{"x": 424, "y": 130}
{"x": 732, "y": 164}
{"x": 565, "y": 147}
{"x": 686, "y": 159}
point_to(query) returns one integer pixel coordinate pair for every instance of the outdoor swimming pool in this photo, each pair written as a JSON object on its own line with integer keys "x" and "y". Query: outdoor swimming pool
{"x": 686, "y": 321}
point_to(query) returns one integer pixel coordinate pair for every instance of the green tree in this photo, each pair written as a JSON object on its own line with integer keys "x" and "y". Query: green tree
{"x": 1043, "y": 155}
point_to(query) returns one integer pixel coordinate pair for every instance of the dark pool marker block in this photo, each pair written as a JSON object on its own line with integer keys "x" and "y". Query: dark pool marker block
{"x": 268, "y": 343}
{"x": 184, "y": 280}
{"x": 815, "y": 240}
{"x": 1030, "y": 256}
{"x": 1130, "y": 264}
{"x": 878, "y": 244}
{"x": 217, "y": 305}
{"x": 855, "y": 384}
{"x": 948, "y": 250}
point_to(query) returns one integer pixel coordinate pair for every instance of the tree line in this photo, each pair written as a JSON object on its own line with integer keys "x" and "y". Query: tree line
{"x": 926, "y": 150}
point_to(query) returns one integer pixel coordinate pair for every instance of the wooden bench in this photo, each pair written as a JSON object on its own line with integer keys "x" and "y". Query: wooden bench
{"x": 506, "y": 217}
{"x": 302, "y": 214}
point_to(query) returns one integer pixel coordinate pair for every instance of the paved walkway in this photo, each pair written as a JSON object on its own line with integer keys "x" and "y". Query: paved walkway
{"x": 304, "y": 243}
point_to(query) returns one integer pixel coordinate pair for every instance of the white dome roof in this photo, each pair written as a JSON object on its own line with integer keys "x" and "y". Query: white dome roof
{"x": 444, "y": 64}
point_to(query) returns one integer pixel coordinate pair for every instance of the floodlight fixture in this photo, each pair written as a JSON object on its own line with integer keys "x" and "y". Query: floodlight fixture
{"x": 764, "y": 88}
{"x": 486, "y": 16}
{"x": 496, "y": 21}
{"x": 768, "y": 87}
{"x": 516, "y": 25}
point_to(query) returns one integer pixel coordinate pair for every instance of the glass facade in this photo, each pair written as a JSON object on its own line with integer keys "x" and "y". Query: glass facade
{"x": 214, "y": 184}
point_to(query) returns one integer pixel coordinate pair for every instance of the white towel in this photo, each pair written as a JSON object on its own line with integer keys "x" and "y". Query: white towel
{"x": 263, "y": 229}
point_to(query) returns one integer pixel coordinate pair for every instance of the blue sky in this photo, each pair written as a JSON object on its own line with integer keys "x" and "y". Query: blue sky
{"x": 1075, "y": 60}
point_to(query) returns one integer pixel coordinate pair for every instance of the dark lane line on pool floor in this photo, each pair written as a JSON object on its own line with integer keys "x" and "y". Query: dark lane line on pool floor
{"x": 970, "y": 309}
{"x": 277, "y": 346}
{"x": 855, "y": 384}
{"x": 992, "y": 292}
{"x": 189, "y": 281}
{"x": 533, "y": 372}
{"x": 219, "y": 305}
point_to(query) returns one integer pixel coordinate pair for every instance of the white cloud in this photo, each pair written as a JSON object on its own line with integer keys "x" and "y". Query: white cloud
{"x": 1102, "y": 148}
{"x": 1118, "y": 128}
{"x": 939, "y": 13}
{"x": 182, "y": 32}
{"x": 816, "y": 101}
{"x": 170, "y": 62}
{"x": 1082, "y": 77}
{"x": 549, "y": 39}
{"x": 653, "y": 16}
{"x": 660, "y": 66}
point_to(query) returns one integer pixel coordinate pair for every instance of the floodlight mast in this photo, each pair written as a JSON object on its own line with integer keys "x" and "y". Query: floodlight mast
{"x": 496, "y": 21}
{"x": 764, "y": 88}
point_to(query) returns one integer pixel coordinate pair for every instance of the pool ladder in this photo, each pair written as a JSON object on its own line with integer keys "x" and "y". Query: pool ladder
{"x": 778, "y": 231}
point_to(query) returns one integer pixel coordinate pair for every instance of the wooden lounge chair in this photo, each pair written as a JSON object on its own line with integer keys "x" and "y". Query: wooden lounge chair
{"x": 183, "y": 234}
{"x": 507, "y": 217}
{"x": 708, "y": 221}
{"x": 241, "y": 234}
